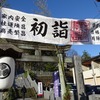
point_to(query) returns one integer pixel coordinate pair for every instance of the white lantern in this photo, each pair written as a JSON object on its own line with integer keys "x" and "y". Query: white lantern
{"x": 7, "y": 72}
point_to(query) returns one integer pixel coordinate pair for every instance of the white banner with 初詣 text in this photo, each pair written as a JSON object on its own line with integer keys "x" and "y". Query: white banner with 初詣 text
{"x": 36, "y": 28}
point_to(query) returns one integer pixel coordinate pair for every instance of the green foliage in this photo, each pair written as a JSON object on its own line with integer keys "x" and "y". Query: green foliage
{"x": 32, "y": 75}
{"x": 14, "y": 93}
{"x": 67, "y": 95}
{"x": 85, "y": 56}
{"x": 18, "y": 92}
{"x": 31, "y": 93}
{"x": 50, "y": 67}
{"x": 11, "y": 94}
{"x": 25, "y": 74}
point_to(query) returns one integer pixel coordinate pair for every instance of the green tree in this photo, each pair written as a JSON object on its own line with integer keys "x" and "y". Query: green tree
{"x": 11, "y": 94}
{"x": 85, "y": 56}
{"x": 67, "y": 95}
{"x": 51, "y": 67}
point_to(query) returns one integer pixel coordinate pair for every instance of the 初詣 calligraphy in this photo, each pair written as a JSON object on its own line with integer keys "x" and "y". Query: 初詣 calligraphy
{"x": 60, "y": 29}
{"x": 39, "y": 28}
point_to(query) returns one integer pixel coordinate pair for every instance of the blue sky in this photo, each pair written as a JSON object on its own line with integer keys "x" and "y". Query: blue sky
{"x": 76, "y": 9}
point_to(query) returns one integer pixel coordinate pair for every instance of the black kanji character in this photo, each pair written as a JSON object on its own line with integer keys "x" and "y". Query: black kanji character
{"x": 16, "y": 25}
{"x": 23, "y": 26}
{"x": 40, "y": 28}
{"x": 17, "y": 18}
{"x": 10, "y": 24}
{"x": 23, "y": 33}
{"x": 3, "y": 23}
{"x": 2, "y": 30}
{"x": 95, "y": 26}
{"x": 23, "y": 19}
{"x": 10, "y": 31}
{"x": 62, "y": 32}
{"x": 16, "y": 32}
{"x": 11, "y": 17}
{"x": 97, "y": 31}
{"x": 4, "y": 16}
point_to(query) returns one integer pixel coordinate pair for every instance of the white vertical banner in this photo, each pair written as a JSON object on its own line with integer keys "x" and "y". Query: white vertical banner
{"x": 40, "y": 89}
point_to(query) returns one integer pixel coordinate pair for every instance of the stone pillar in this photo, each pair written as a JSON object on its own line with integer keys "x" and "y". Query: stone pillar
{"x": 79, "y": 78}
{"x": 61, "y": 74}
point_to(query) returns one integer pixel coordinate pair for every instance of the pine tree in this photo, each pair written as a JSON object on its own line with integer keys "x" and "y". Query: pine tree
{"x": 85, "y": 56}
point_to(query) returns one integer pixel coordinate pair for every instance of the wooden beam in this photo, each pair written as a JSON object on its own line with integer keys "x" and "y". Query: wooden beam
{"x": 42, "y": 47}
{"x": 42, "y": 58}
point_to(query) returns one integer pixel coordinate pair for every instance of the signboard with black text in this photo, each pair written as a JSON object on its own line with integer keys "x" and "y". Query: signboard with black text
{"x": 18, "y": 25}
